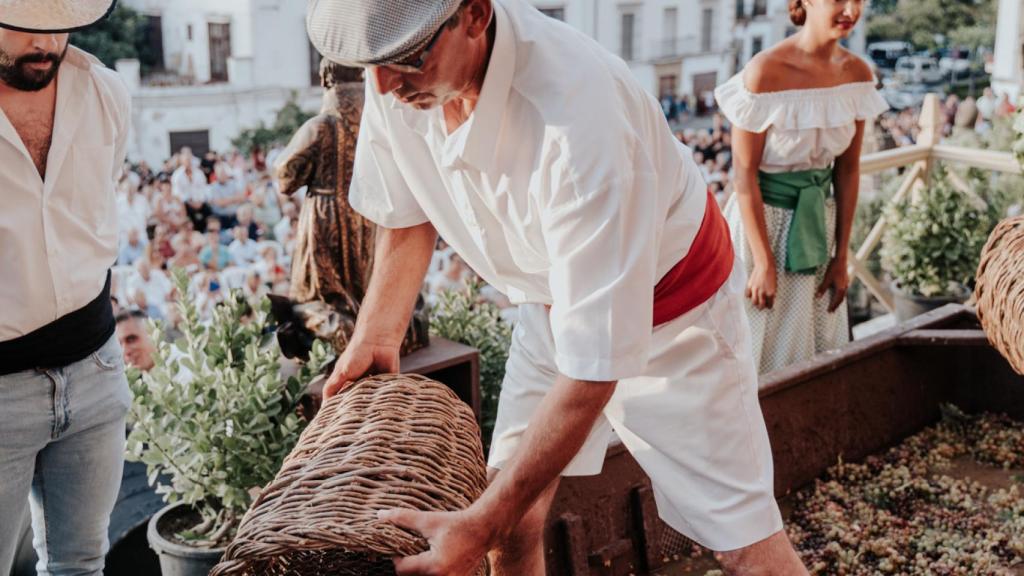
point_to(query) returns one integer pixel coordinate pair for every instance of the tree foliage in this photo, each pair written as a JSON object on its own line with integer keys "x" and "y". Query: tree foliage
{"x": 288, "y": 121}
{"x": 927, "y": 23}
{"x": 122, "y": 35}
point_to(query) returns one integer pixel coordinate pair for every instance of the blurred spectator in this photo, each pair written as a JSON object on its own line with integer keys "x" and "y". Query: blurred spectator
{"x": 152, "y": 284}
{"x": 986, "y": 108}
{"x": 1005, "y": 108}
{"x": 214, "y": 256}
{"x": 225, "y": 195}
{"x": 131, "y": 332}
{"x": 254, "y": 288}
{"x": 242, "y": 249}
{"x": 270, "y": 269}
{"x": 244, "y": 218}
{"x": 289, "y": 221}
{"x": 132, "y": 248}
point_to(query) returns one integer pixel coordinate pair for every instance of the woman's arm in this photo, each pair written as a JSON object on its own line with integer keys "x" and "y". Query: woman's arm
{"x": 846, "y": 181}
{"x": 747, "y": 151}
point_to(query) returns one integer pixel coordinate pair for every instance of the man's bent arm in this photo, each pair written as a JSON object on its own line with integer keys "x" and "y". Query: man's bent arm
{"x": 557, "y": 430}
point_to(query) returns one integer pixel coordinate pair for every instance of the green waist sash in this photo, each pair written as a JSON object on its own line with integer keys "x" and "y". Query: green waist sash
{"x": 804, "y": 193}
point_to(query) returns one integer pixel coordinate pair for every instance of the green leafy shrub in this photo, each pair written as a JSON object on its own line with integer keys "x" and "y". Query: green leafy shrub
{"x": 1018, "y": 130}
{"x": 932, "y": 247}
{"x": 463, "y": 316}
{"x": 287, "y": 122}
{"x": 213, "y": 419}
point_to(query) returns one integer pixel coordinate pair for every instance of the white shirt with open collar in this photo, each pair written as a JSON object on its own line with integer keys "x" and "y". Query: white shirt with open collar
{"x": 58, "y": 234}
{"x": 565, "y": 187}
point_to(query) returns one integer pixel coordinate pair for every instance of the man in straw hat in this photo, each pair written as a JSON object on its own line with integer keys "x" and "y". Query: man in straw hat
{"x": 63, "y": 393}
{"x": 540, "y": 160}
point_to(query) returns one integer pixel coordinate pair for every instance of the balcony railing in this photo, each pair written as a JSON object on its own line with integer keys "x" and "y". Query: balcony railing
{"x": 920, "y": 159}
{"x": 676, "y": 47}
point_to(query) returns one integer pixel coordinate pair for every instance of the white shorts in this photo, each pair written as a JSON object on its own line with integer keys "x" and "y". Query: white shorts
{"x": 692, "y": 421}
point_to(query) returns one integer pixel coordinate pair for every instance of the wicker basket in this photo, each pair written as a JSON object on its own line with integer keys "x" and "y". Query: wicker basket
{"x": 1000, "y": 290}
{"x": 387, "y": 442}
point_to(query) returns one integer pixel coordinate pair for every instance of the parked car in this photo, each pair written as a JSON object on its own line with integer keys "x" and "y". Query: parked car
{"x": 918, "y": 70}
{"x": 901, "y": 96}
{"x": 885, "y": 54}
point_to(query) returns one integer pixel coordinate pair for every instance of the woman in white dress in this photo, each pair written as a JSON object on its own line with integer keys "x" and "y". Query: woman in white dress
{"x": 797, "y": 113}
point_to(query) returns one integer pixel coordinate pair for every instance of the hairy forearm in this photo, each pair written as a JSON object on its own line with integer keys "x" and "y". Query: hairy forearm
{"x": 400, "y": 263}
{"x": 558, "y": 429}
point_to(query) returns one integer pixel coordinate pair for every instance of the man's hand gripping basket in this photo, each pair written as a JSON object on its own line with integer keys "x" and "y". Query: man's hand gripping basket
{"x": 387, "y": 442}
{"x": 1000, "y": 290}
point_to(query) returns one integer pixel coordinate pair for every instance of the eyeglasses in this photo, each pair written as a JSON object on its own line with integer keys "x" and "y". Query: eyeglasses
{"x": 414, "y": 64}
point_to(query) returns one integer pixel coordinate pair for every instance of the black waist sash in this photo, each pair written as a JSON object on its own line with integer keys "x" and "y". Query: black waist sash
{"x": 64, "y": 341}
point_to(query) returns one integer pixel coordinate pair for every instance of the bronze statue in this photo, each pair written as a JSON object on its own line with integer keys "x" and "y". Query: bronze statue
{"x": 334, "y": 244}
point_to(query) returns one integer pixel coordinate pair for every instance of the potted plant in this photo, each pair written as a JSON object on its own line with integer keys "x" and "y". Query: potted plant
{"x": 465, "y": 316}
{"x": 212, "y": 420}
{"x": 932, "y": 247}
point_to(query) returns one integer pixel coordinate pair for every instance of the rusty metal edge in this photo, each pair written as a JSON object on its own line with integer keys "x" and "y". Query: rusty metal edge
{"x": 795, "y": 375}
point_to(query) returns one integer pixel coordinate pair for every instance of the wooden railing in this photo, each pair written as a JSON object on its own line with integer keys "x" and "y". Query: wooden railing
{"x": 919, "y": 159}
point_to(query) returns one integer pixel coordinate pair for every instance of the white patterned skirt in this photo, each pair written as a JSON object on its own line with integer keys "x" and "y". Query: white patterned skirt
{"x": 799, "y": 325}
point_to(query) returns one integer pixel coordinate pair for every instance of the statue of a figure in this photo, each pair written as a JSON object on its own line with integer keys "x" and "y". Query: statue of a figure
{"x": 334, "y": 244}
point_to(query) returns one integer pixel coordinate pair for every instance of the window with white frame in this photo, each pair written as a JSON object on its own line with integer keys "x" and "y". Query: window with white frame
{"x": 707, "y": 22}
{"x": 558, "y": 13}
{"x": 628, "y": 36}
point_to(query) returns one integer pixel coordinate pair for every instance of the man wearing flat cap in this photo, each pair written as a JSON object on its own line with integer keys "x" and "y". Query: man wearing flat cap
{"x": 63, "y": 392}
{"x": 536, "y": 155}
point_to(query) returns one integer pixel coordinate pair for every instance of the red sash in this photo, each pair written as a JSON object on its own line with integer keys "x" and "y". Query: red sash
{"x": 701, "y": 273}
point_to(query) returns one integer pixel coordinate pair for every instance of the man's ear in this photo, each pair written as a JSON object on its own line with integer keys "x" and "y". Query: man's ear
{"x": 478, "y": 14}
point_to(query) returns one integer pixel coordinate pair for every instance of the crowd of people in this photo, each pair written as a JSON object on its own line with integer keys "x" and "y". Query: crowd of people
{"x": 221, "y": 220}
{"x": 218, "y": 218}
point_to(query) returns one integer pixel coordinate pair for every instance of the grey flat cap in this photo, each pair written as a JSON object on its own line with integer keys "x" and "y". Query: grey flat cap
{"x": 374, "y": 32}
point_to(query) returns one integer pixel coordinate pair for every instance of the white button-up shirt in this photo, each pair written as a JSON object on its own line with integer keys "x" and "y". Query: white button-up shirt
{"x": 58, "y": 234}
{"x": 565, "y": 187}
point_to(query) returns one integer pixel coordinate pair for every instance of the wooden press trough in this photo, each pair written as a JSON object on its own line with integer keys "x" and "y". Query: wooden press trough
{"x": 854, "y": 402}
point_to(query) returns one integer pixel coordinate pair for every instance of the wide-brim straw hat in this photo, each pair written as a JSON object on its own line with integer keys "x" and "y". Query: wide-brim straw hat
{"x": 53, "y": 16}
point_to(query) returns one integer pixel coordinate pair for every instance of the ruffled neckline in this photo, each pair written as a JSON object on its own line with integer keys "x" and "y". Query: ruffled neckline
{"x": 798, "y": 109}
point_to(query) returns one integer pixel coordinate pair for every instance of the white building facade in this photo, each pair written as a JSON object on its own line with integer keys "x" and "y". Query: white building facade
{"x": 681, "y": 47}
{"x": 227, "y": 66}
{"x": 761, "y": 24}
{"x": 1008, "y": 63}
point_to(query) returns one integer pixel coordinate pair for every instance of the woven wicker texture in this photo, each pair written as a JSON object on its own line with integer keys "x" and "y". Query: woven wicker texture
{"x": 387, "y": 442}
{"x": 1000, "y": 290}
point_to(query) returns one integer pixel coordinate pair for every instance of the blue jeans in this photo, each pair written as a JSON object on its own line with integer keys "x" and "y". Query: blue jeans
{"x": 62, "y": 437}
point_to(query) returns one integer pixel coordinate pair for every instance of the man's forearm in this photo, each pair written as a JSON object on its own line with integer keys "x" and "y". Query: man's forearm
{"x": 401, "y": 258}
{"x": 557, "y": 430}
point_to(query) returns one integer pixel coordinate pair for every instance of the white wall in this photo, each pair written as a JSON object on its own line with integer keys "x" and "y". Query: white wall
{"x": 652, "y": 57}
{"x": 776, "y": 25}
{"x": 191, "y": 58}
{"x": 270, "y": 60}
{"x": 223, "y": 110}
{"x": 1008, "y": 68}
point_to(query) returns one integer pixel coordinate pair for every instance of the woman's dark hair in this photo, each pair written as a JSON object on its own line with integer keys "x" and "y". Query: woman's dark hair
{"x": 797, "y": 13}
